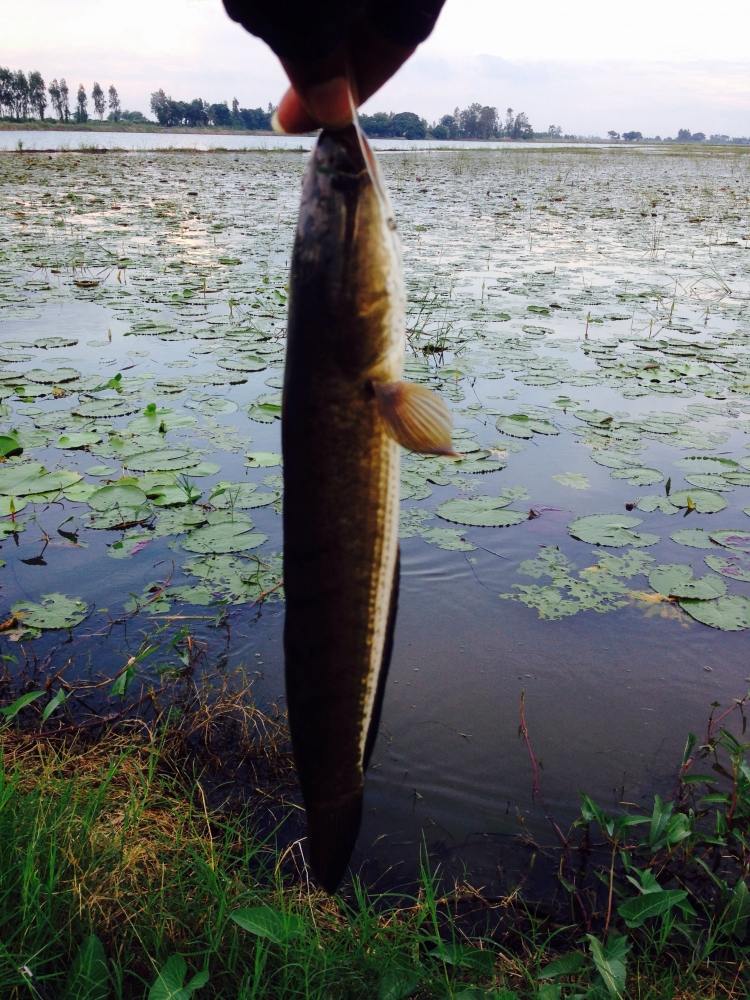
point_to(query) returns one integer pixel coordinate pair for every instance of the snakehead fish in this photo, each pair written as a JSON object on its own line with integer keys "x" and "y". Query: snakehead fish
{"x": 344, "y": 410}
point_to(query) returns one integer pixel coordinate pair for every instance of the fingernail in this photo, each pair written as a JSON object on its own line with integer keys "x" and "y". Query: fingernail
{"x": 330, "y": 102}
{"x": 276, "y": 125}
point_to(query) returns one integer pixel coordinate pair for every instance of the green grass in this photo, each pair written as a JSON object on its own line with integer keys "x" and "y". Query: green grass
{"x": 118, "y": 880}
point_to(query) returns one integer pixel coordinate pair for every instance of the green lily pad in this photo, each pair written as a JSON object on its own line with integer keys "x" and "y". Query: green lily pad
{"x": 117, "y": 496}
{"x": 240, "y": 496}
{"x": 706, "y": 464}
{"x": 54, "y": 611}
{"x": 610, "y": 529}
{"x": 232, "y": 533}
{"x": 161, "y": 460}
{"x": 80, "y": 439}
{"x": 695, "y": 538}
{"x": 54, "y": 377}
{"x": 735, "y": 565}
{"x": 523, "y": 426}
{"x": 106, "y": 409}
{"x": 677, "y": 580}
{"x": 486, "y": 512}
{"x": 705, "y": 501}
{"x": 638, "y": 476}
{"x": 575, "y": 480}
{"x": 732, "y": 539}
{"x": 262, "y": 459}
{"x": 731, "y": 613}
{"x": 9, "y": 445}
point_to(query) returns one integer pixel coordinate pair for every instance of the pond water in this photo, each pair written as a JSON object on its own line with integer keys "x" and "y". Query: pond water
{"x": 69, "y": 139}
{"x": 587, "y": 316}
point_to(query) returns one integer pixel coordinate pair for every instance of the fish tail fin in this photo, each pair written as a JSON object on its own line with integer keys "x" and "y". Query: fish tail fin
{"x": 332, "y": 829}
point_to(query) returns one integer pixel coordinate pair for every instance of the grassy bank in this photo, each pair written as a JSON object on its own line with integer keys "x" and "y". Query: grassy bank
{"x": 118, "y": 878}
{"x": 35, "y": 125}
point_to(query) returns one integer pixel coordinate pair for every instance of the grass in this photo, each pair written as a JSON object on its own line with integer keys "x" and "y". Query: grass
{"x": 126, "y": 872}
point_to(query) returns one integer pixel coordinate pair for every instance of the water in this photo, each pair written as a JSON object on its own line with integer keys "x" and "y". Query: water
{"x": 72, "y": 140}
{"x": 543, "y": 285}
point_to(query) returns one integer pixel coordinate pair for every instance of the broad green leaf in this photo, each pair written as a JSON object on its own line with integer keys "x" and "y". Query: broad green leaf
{"x": 397, "y": 984}
{"x": 11, "y": 711}
{"x": 730, "y": 613}
{"x": 54, "y": 611}
{"x": 89, "y": 975}
{"x": 265, "y": 922}
{"x": 636, "y": 911}
{"x": 610, "y": 529}
{"x": 480, "y": 512}
{"x": 677, "y": 580}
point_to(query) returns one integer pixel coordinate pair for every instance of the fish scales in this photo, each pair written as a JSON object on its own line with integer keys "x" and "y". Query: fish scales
{"x": 341, "y": 486}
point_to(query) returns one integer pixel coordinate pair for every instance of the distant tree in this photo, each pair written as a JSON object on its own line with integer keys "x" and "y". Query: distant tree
{"x": 614, "y": 136}
{"x": 409, "y": 126}
{"x": 255, "y": 119}
{"x": 487, "y": 123}
{"x": 56, "y": 98}
{"x": 97, "y": 96}
{"x": 522, "y": 127}
{"x": 82, "y": 102}
{"x": 114, "y": 102}
{"x": 469, "y": 120}
{"x": 20, "y": 95}
{"x": 37, "y": 93}
{"x": 220, "y": 115}
{"x": 6, "y": 91}
{"x": 379, "y": 125}
{"x": 684, "y": 135}
{"x": 137, "y": 117}
{"x": 509, "y": 121}
{"x": 698, "y": 137}
{"x": 64, "y": 99}
{"x": 440, "y": 132}
{"x": 554, "y": 130}
{"x": 450, "y": 123}
{"x": 632, "y": 136}
{"x": 160, "y": 106}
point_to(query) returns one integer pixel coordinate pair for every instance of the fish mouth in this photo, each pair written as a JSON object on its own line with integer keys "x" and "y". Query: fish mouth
{"x": 342, "y": 151}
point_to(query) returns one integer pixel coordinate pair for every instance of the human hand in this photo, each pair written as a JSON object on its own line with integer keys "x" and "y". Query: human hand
{"x": 333, "y": 49}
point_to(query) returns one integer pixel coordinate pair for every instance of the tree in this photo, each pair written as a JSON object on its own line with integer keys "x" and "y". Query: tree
{"x": 64, "y": 100}
{"x": 37, "y": 93}
{"x": 82, "y": 111}
{"x": 684, "y": 135}
{"x": 56, "y": 98}
{"x": 134, "y": 116}
{"x": 114, "y": 103}
{"x": 6, "y": 91}
{"x": 554, "y": 130}
{"x": 469, "y": 121}
{"x": 509, "y": 122}
{"x": 20, "y": 94}
{"x": 632, "y": 136}
{"x": 220, "y": 115}
{"x": 522, "y": 127}
{"x": 97, "y": 96}
{"x": 698, "y": 137}
{"x": 487, "y": 122}
{"x": 450, "y": 123}
{"x": 409, "y": 126}
{"x": 614, "y": 136}
{"x": 379, "y": 125}
{"x": 160, "y": 106}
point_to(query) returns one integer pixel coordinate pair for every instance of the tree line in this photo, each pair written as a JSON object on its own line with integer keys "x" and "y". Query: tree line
{"x": 199, "y": 112}
{"x": 25, "y": 96}
{"x": 477, "y": 121}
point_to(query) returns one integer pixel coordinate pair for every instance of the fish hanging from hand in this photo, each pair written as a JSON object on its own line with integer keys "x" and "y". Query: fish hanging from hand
{"x": 345, "y": 413}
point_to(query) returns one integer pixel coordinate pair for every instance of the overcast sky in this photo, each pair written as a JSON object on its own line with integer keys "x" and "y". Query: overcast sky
{"x": 651, "y": 65}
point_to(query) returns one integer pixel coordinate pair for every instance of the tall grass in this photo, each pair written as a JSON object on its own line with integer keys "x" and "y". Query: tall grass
{"x": 117, "y": 879}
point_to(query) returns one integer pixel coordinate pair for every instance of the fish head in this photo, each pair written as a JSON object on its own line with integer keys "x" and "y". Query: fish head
{"x": 347, "y": 265}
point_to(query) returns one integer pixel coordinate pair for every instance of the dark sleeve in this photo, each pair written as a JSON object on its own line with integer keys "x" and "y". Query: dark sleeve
{"x": 295, "y": 28}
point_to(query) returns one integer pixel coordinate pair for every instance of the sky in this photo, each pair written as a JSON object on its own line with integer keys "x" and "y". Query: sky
{"x": 651, "y": 65}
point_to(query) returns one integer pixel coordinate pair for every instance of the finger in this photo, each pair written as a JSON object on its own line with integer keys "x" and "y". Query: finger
{"x": 319, "y": 95}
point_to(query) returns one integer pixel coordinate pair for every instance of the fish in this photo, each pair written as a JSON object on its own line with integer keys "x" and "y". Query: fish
{"x": 345, "y": 414}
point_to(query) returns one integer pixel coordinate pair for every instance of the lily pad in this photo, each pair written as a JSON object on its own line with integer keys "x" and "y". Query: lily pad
{"x": 575, "y": 480}
{"x": 486, "y": 512}
{"x": 695, "y": 538}
{"x": 730, "y": 613}
{"x": 232, "y": 533}
{"x": 610, "y": 529}
{"x": 704, "y": 501}
{"x": 735, "y": 566}
{"x": 54, "y": 611}
{"x": 677, "y": 580}
{"x": 732, "y": 539}
{"x": 262, "y": 459}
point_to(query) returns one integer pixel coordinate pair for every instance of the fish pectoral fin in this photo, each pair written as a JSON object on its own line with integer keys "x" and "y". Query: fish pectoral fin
{"x": 415, "y": 417}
